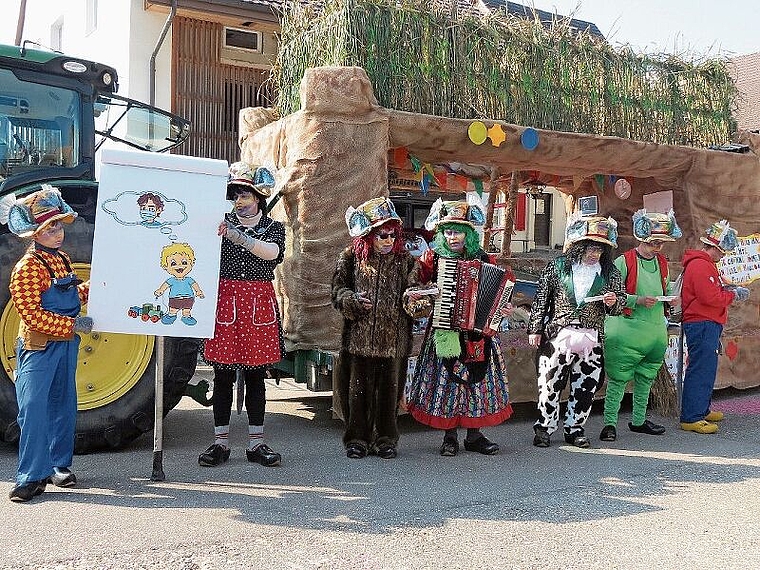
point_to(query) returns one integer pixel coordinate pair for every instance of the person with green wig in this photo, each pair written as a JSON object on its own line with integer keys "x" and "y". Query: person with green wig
{"x": 460, "y": 379}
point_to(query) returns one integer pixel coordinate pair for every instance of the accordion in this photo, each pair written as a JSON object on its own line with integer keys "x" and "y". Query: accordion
{"x": 472, "y": 294}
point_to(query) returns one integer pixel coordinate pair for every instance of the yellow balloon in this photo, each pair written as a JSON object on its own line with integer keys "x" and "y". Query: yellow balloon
{"x": 477, "y": 132}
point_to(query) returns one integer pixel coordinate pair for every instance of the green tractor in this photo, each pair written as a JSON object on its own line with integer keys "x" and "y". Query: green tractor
{"x": 55, "y": 112}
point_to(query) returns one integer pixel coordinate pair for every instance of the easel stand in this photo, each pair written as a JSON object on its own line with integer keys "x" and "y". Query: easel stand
{"x": 158, "y": 419}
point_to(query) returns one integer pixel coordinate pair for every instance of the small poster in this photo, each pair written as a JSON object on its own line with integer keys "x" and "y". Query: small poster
{"x": 661, "y": 202}
{"x": 588, "y": 205}
{"x": 672, "y": 358}
{"x": 742, "y": 266}
{"x": 155, "y": 256}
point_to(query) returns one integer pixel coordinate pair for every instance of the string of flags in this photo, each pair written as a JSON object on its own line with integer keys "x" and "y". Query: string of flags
{"x": 478, "y": 133}
{"x": 439, "y": 176}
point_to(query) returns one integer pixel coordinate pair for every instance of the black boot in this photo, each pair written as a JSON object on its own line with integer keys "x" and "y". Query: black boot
{"x": 541, "y": 437}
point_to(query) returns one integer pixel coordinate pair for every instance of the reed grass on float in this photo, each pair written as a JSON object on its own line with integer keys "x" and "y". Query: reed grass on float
{"x": 455, "y": 64}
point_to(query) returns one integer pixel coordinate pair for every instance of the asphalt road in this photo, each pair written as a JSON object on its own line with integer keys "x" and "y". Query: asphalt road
{"x": 676, "y": 501}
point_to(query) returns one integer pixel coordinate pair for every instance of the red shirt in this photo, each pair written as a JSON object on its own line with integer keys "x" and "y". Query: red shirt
{"x": 702, "y": 295}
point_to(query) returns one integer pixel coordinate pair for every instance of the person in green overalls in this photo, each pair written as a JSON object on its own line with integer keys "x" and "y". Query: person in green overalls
{"x": 635, "y": 342}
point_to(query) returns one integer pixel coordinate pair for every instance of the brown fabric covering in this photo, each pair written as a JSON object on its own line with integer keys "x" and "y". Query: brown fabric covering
{"x": 333, "y": 153}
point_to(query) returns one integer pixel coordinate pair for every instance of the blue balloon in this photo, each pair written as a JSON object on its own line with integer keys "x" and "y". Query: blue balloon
{"x": 529, "y": 138}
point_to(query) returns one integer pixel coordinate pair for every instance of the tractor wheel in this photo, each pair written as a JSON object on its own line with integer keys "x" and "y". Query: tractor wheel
{"x": 115, "y": 372}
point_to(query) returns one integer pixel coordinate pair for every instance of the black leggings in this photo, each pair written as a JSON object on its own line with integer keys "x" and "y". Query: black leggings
{"x": 255, "y": 396}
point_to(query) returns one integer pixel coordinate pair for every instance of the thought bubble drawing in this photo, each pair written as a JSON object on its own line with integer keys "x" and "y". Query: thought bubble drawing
{"x": 146, "y": 209}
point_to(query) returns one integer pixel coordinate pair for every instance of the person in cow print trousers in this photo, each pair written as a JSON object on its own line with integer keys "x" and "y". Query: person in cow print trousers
{"x": 568, "y": 330}
{"x": 248, "y": 333}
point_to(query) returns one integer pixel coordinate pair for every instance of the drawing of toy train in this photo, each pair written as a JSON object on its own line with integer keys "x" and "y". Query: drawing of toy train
{"x": 146, "y": 312}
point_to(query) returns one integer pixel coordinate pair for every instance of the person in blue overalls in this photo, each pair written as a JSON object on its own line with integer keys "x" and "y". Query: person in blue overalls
{"x": 48, "y": 296}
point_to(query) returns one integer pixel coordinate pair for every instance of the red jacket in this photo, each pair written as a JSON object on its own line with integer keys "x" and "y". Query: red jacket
{"x": 702, "y": 295}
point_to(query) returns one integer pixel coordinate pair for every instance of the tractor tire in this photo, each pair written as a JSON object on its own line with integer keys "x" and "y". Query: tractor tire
{"x": 115, "y": 373}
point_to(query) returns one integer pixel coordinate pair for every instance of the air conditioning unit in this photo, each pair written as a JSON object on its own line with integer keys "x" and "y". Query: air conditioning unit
{"x": 250, "y": 48}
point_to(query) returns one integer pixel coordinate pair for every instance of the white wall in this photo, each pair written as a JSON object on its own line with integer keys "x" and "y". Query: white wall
{"x": 124, "y": 38}
{"x": 145, "y": 29}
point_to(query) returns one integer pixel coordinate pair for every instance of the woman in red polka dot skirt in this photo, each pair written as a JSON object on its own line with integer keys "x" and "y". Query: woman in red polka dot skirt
{"x": 248, "y": 333}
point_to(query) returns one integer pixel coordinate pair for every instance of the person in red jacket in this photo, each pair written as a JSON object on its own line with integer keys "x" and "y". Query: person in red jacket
{"x": 705, "y": 300}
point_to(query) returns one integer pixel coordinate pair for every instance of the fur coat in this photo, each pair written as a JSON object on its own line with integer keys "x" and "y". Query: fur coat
{"x": 385, "y": 330}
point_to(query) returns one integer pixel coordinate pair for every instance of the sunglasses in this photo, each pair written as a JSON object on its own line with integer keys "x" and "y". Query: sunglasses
{"x": 385, "y": 235}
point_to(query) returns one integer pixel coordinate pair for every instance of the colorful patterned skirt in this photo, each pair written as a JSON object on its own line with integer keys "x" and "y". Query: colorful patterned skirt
{"x": 435, "y": 400}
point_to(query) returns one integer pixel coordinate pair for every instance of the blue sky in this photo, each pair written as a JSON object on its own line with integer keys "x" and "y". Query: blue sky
{"x": 692, "y": 27}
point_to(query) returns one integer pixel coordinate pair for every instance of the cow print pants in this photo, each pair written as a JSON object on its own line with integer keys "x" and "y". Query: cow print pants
{"x": 554, "y": 369}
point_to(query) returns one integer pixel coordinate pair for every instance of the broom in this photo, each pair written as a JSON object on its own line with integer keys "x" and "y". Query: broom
{"x": 664, "y": 397}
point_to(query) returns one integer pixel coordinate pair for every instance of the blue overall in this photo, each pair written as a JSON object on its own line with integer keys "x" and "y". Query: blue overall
{"x": 46, "y": 393}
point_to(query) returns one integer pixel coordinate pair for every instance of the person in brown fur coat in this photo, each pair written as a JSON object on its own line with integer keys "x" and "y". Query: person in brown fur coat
{"x": 367, "y": 288}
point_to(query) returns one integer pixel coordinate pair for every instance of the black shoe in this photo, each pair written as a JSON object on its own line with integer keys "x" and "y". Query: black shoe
{"x": 449, "y": 447}
{"x": 482, "y": 445}
{"x": 649, "y": 428}
{"x": 355, "y": 451}
{"x": 25, "y": 492}
{"x": 387, "y": 451}
{"x": 609, "y": 433}
{"x": 541, "y": 439}
{"x": 264, "y": 455}
{"x": 62, "y": 477}
{"x": 577, "y": 439}
{"x": 216, "y": 454}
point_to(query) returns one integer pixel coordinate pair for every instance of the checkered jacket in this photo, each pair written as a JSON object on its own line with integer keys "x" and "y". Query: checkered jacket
{"x": 30, "y": 278}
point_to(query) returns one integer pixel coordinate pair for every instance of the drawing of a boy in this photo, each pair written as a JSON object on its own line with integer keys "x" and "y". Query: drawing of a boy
{"x": 151, "y": 205}
{"x": 178, "y": 260}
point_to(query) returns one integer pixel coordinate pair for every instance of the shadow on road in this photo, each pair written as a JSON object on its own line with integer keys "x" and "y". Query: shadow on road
{"x": 317, "y": 487}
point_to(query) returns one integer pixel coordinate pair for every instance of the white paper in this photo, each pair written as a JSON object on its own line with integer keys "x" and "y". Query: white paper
{"x": 592, "y": 299}
{"x": 666, "y": 298}
{"x": 430, "y": 291}
{"x": 127, "y": 250}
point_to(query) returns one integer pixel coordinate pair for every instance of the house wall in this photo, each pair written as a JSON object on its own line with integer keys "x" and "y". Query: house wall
{"x": 124, "y": 37}
{"x": 746, "y": 71}
{"x": 144, "y": 32}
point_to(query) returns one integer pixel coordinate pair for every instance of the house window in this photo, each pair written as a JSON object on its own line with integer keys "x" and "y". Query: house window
{"x": 56, "y": 35}
{"x": 91, "y": 16}
{"x": 242, "y": 39}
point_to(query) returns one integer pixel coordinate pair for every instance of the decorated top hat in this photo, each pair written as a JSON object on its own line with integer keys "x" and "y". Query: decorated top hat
{"x": 594, "y": 228}
{"x": 721, "y": 235}
{"x": 458, "y": 211}
{"x": 654, "y": 226}
{"x": 257, "y": 179}
{"x": 38, "y": 210}
{"x": 370, "y": 214}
